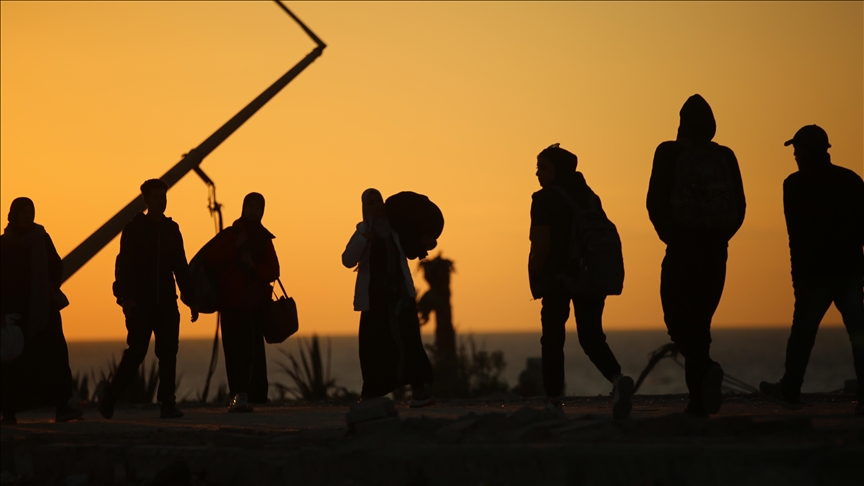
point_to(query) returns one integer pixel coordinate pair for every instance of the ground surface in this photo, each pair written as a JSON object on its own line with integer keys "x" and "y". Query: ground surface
{"x": 505, "y": 441}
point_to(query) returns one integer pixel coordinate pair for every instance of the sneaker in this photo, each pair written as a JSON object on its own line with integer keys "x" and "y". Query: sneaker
{"x": 420, "y": 399}
{"x": 65, "y": 413}
{"x": 106, "y": 405}
{"x": 554, "y": 407}
{"x": 240, "y": 404}
{"x": 170, "y": 411}
{"x": 775, "y": 393}
{"x": 622, "y": 392}
{"x": 695, "y": 411}
{"x": 712, "y": 394}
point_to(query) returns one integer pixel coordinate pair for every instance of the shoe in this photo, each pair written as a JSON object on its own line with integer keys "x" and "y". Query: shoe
{"x": 170, "y": 411}
{"x": 695, "y": 411}
{"x": 66, "y": 413}
{"x": 240, "y": 404}
{"x": 554, "y": 407}
{"x": 420, "y": 399}
{"x": 712, "y": 393}
{"x": 9, "y": 419}
{"x": 859, "y": 408}
{"x": 622, "y": 393}
{"x": 106, "y": 405}
{"x": 775, "y": 393}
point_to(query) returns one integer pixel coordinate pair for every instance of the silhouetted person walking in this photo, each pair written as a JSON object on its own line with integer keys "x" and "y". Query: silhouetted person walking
{"x": 31, "y": 276}
{"x": 553, "y": 215}
{"x": 824, "y": 206}
{"x": 151, "y": 257}
{"x": 245, "y": 260}
{"x": 391, "y": 351}
{"x": 696, "y": 202}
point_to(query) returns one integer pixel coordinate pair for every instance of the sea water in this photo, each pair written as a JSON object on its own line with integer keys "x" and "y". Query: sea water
{"x": 751, "y": 355}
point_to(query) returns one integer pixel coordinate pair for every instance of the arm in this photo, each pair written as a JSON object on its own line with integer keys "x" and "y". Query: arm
{"x": 181, "y": 270}
{"x": 55, "y": 263}
{"x": 541, "y": 243}
{"x": 122, "y": 265}
{"x": 268, "y": 271}
{"x": 739, "y": 186}
{"x": 355, "y": 248}
{"x": 659, "y": 201}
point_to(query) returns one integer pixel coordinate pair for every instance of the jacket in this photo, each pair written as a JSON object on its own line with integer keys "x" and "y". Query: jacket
{"x": 242, "y": 287}
{"x": 698, "y": 127}
{"x": 357, "y": 253}
{"x": 824, "y": 208}
{"x": 151, "y": 257}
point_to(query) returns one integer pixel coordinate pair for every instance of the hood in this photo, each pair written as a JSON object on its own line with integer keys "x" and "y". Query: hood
{"x": 697, "y": 120}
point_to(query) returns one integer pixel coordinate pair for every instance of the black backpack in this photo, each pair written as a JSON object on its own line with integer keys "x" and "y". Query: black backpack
{"x": 205, "y": 282}
{"x": 595, "y": 263}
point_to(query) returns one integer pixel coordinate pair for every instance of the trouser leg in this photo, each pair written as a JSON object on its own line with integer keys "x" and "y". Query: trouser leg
{"x": 812, "y": 299}
{"x": 258, "y": 385}
{"x": 553, "y": 317}
{"x": 588, "y": 312}
{"x": 167, "y": 336}
{"x": 237, "y": 335}
{"x": 138, "y": 329}
{"x": 849, "y": 299}
{"x": 691, "y": 284}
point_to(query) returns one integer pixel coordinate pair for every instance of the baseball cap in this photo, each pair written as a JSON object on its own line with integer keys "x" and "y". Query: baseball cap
{"x": 810, "y": 136}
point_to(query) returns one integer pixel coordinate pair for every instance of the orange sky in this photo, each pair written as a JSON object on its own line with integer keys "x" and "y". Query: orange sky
{"x": 453, "y": 100}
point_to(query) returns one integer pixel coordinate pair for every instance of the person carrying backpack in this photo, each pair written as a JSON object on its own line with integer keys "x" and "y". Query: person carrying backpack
{"x": 570, "y": 237}
{"x": 696, "y": 203}
{"x": 824, "y": 207}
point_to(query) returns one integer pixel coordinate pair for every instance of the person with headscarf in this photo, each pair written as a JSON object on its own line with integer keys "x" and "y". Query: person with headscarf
{"x": 31, "y": 275}
{"x": 151, "y": 258}
{"x": 391, "y": 351}
{"x": 245, "y": 261}
{"x": 696, "y": 203}
{"x": 552, "y": 220}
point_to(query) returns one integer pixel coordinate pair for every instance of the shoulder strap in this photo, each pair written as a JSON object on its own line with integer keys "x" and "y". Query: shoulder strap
{"x": 567, "y": 197}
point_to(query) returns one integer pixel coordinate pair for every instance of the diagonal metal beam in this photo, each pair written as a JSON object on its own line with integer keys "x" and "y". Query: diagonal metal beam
{"x": 78, "y": 257}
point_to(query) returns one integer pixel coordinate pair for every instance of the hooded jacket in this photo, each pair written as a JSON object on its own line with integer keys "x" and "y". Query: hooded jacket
{"x": 697, "y": 126}
{"x": 151, "y": 257}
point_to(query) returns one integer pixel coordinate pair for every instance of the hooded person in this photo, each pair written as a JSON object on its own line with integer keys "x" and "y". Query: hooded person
{"x": 418, "y": 221}
{"x": 31, "y": 276}
{"x": 246, "y": 265}
{"x": 696, "y": 204}
{"x": 391, "y": 351}
{"x": 552, "y": 220}
{"x": 824, "y": 208}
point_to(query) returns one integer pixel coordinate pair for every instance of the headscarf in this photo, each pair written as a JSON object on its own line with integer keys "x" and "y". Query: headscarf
{"x": 257, "y": 235}
{"x": 412, "y": 216}
{"x": 34, "y": 240}
{"x": 380, "y": 225}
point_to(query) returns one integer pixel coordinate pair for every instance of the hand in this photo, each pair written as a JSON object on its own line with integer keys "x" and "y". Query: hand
{"x": 246, "y": 258}
{"x": 369, "y": 235}
{"x": 195, "y": 314}
{"x": 129, "y": 305}
{"x": 241, "y": 239}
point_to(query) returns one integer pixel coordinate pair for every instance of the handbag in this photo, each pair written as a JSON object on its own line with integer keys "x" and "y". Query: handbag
{"x": 282, "y": 319}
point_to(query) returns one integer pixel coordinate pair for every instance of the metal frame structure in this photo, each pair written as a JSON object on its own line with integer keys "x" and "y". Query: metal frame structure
{"x": 82, "y": 254}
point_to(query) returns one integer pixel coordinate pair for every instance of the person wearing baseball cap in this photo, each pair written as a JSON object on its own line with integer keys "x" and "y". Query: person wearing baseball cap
{"x": 824, "y": 206}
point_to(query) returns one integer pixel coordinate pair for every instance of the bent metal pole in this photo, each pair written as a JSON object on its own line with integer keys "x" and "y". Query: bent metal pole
{"x": 78, "y": 257}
